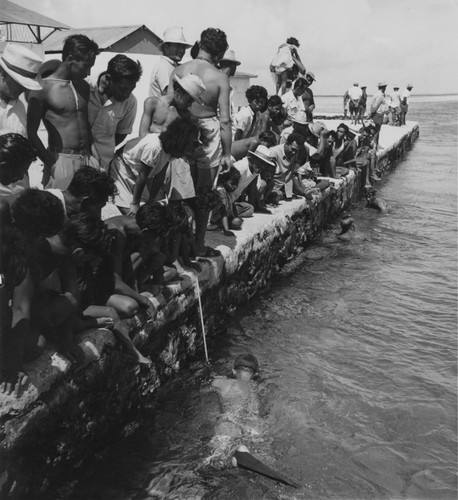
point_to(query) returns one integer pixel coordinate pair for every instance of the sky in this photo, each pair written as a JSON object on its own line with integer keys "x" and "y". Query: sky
{"x": 341, "y": 41}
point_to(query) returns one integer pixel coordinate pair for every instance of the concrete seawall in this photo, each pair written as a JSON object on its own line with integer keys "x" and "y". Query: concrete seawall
{"x": 67, "y": 415}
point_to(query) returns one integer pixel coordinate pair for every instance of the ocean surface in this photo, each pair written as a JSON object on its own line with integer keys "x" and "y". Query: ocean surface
{"x": 357, "y": 344}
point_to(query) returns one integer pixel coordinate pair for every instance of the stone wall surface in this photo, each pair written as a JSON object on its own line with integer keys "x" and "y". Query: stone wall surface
{"x": 68, "y": 414}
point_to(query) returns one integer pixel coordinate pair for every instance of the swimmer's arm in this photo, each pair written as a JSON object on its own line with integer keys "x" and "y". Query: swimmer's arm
{"x": 140, "y": 183}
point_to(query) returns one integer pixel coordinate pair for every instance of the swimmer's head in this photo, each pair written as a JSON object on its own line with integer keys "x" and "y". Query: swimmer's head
{"x": 246, "y": 363}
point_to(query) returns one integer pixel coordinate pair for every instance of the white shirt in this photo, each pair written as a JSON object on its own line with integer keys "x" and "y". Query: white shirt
{"x": 242, "y": 120}
{"x": 246, "y": 176}
{"x": 106, "y": 120}
{"x": 160, "y": 76}
{"x": 405, "y": 94}
{"x": 355, "y": 93}
{"x": 13, "y": 117}
{"x": 294, "y": 107}
{"x": 395, "y": 99}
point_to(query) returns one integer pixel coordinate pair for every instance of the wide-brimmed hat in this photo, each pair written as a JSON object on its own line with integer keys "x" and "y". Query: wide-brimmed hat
{"x": 229, "y": 56}
{"x": 262, "y": 152}
{"x": 22, "y": 65}
{"x": 192, "y": 85}
{"x": 382, "y": 84}
{"x": 316, "y": 128}
{"x": 409, "y": 86}
{"x": 363, "y": 86}
{"x": 311, "y": 75}
{"x": 174, "y": 34}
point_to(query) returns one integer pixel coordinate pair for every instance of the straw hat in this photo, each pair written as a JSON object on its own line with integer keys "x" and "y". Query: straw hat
{"x": 193, "y": 85}
{"x": 174, "y": 35}
{"x": 311, "y": 75}
{"x": 22, "y": 65}
{"x": 381, "y": 84}
{"x": 316, "y": 128}
{"x": 262, "y": 152}
{"x": 229, "y": 56}
{"x": 409, "y": 86}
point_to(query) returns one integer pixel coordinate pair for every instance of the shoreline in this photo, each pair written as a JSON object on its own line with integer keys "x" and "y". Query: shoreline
{"x": 67, "y": 415}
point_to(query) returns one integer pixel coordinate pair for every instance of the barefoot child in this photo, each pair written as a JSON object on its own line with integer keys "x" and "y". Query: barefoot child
{"x": 226, "y": 216}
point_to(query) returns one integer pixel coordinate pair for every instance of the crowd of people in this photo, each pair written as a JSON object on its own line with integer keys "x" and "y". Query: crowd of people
{"x": 196, "y": 164}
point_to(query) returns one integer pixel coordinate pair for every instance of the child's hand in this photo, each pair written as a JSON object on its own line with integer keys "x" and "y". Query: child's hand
{"x": 228, "y": 233}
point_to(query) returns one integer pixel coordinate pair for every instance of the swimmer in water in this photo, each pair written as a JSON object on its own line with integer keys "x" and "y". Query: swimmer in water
{"x": 374, "y": 202}
{"x": 347, "y": 225}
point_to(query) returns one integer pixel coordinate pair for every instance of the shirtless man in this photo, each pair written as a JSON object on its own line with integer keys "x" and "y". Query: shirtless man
{"x": 62, "y": 104}
{"x": 307, "y": 97}
{"x": 214, "y": 116}
{"x": 159, "y": 112}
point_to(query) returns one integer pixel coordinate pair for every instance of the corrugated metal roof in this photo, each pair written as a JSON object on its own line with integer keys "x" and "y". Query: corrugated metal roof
{"x": 104, "y": 36}
{"x": 15, "y": 14}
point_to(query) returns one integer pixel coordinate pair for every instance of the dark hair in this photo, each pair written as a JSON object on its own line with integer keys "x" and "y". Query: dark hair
{"x": 155, "y": 217}
{"x": 293, "y": 41}
{"x": 247, "y": 362}
{"x": 274, "y": 100}
{"x": 256, "y": 92}
{"x": 80, "y": 47}
{"x": 214, "y": 41}
{"x": 194, "y": 52}
{"x": 38, "y": 213}
{"x": 121, "y": 66}
{"x": 333, "y": 134}
{"x": 344, "y": 126}
{"x": 15, "y": 151}
{"x": 230, "y": 175}
{"x": 269, "y": 137}
{"x": 13, "y": 256}
{"x": 300, "y": 83}
{"x": 87, "y": 231}
{"x": 295, "y": 138}
{"x": 179, "y": 217}
{"x": 179, "y": 136}
{"x": 94, "y": 184}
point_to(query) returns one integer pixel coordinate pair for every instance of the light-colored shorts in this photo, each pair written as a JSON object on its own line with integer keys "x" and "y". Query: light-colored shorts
{"x": 211, "y": 154}
{"x": 65, "y": 166}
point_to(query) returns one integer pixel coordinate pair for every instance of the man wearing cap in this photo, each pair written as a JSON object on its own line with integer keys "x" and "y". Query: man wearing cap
{"x": 173, "y": 49}
{"x": 62, "y": 104}
{"x": 395, "y": 107}
{"x": 354, "y": 93}
{"x": 18, "y": 71}
{"x": 256, "y": 164}
{"x": 214, "y": 116}
{"x": 380, "y": 108}
{"x": 307, "y": 97}
{"x": 362, "y": 104}
{"x": 293, "y": 103}
{"x": 404, "y": 104}
{"x": 112, "y": 107}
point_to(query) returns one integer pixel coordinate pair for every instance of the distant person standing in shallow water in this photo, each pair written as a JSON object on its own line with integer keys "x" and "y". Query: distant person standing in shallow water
{"x": 405, "y": 98}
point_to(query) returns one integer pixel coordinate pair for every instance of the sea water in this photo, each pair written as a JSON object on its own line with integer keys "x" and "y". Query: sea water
{"x": 357, "y": 344}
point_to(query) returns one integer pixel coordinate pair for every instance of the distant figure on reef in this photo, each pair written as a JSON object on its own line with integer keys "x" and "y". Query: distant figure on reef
{"x": 395, "y": 108}
{"x": 354, "y": 94}
{"x": 283, "y": 62}
{"x": 380, "y": 109}
{"x": 405, "y": 98}
{"x": 362, "y": 105}
{"x": 373, "y": 201}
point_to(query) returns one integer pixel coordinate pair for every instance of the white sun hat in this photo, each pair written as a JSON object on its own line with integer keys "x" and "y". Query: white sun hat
{"x": 22, "y": 65}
